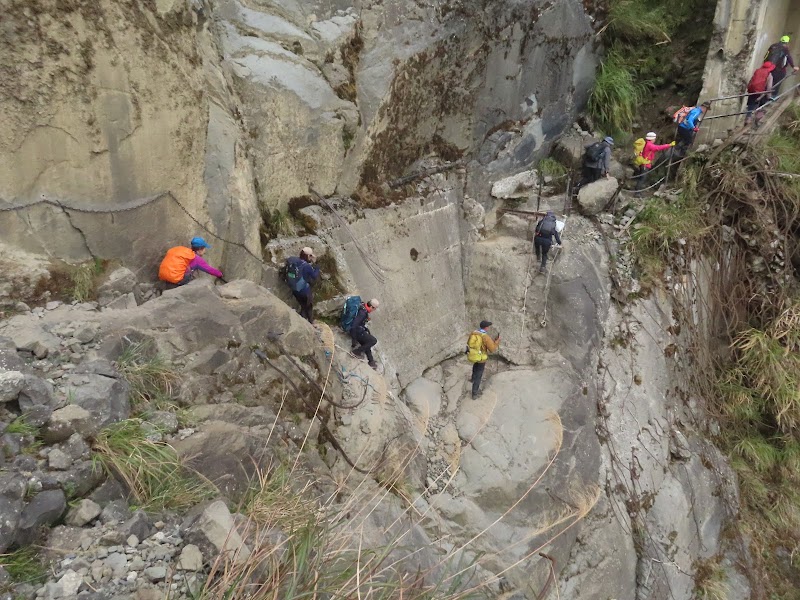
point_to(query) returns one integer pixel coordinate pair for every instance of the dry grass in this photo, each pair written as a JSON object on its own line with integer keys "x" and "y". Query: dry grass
{"x": 152, "y": 378}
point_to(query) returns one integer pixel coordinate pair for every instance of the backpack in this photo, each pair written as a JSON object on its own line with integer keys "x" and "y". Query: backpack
{"x": 294, "y": 276}
{"x": 758, "y": 82}
{"x": 638, "y": 149}
{"x": 475, "y": 352}
{"x": 546, "y": 227}
{"x": 776, "y": 54}
{"x": 594, "y": 152}
{"x": 681, "y": 114}
{"x": 349, "y": 312}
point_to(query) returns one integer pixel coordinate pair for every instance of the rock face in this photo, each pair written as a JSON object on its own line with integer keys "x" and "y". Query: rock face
{"x": 259, "y": 103}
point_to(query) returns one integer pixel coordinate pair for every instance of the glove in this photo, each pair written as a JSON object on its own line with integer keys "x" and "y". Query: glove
{"x": 696, "y": 129}
{"x": 672, "y": 143}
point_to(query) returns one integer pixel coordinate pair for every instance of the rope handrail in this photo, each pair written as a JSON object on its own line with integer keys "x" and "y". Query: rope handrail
{"x": 770, "y": 101}
{"x": 746, "y": 94}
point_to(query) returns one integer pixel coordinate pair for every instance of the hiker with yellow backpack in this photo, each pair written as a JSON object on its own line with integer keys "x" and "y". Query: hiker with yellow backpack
{"x": 644, "y": 151}
{"x": 479, "y": 345}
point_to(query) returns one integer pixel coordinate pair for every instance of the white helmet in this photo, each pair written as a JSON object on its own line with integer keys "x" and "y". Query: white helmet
{"x": 374, "y": 303}
{"x": 651, "y": 135}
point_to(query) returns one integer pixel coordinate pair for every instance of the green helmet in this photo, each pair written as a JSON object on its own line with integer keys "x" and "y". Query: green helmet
{"x": 785, "y": 39}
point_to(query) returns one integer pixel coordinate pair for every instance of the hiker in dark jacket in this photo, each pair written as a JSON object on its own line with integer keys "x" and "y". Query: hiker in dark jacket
{"x": 363, "y": 340}
{"x": 309, "y": 273}
{"x": 596, "y": 161}
{"x": 543, "y": 238}
{"x": 778, "y": 54}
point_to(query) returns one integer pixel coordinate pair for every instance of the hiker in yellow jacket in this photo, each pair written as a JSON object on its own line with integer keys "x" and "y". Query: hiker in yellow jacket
{"x": 479, "y": 345}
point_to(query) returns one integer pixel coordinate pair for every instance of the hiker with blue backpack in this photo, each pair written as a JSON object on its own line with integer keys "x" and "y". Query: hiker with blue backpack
{"x": 300, "y": 274}
{"x": 546, "y": 229}
{"x": 688, "y": 119}
{"x": 355, "y": 316}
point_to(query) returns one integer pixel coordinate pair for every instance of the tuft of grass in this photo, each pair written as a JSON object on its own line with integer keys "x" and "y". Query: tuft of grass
{"x": 84, "y": 279}
{"x": 325, "y": 289}
{"x": 22, "y": 427}
{"x": 711, "y": 582}
{"x": 638, "y": 20}
{"x": 151, "y": 377}
{"x": 552, "y": 167}
{"x": 151, "y": 470}
{"x": 617, "y": 95}
{"x": 24, "y": 566}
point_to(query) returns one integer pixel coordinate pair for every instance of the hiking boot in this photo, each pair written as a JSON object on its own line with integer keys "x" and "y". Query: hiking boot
{"x": 373, "y": 364}
{"x": 478, "y": 395}
{"x": 542, "y": 270}
{"x": 358, "y": 354}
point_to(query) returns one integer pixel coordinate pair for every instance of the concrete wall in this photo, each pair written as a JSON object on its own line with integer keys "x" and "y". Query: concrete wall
{"x": 743, "y": 30}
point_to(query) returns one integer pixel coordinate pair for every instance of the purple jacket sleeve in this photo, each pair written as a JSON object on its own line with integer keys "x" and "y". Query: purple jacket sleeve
{"x": 198, "y": 263}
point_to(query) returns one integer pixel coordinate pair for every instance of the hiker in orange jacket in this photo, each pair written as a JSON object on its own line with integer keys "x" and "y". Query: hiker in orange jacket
{"x": 180, "y": 263}
{"x": 759, "y": 92}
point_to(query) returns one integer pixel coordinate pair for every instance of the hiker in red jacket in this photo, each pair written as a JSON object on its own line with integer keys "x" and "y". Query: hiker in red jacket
{"x": 648, "y": 155}
{"x": 759, "y": 91}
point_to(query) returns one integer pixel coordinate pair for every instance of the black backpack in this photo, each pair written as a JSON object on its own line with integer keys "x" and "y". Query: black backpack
{"x": 595, "y": 152}
{"x": 777, "y": 55}
{"x": 546, "y": 227}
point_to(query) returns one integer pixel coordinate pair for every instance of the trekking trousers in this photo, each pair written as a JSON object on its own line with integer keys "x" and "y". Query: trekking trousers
{"x": 306, "y": 301}
{"x": 477, "y": 375}
{"x": 590, "y": 175}
{"x": 542, "y": 247}
{"x": 366, "y": 341}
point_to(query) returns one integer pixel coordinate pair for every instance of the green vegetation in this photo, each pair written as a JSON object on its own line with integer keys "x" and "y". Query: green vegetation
{"x": 22, "y": 427}
{"x": 711, "y": 583}
{"x": 325, "y": 289}
{"x": 151, "y": 470}
{"x": 552, "y": 167}
{"x": 319, "y": 552}
{"x": 617, "y": 95}
{"x": 151, "y": 377}
{"x": 652, "y": 44}
{"x": 24, "y": 566}
{"x": 84, "y": 279}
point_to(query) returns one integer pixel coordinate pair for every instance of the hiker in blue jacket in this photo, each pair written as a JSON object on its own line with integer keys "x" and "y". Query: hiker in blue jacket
{"x": 690, "y": 126}
{"x": 301, "y": 273}
{"x": 543, "y": 238}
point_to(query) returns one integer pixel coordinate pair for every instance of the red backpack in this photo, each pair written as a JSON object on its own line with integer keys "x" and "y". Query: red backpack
{"x": 758, "y": 82}
{"x": 680, "y": 116}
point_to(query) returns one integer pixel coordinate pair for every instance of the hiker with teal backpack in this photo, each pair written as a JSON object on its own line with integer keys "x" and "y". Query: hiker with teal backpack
{"x": 596, "y": 161}
{"x": 355, "y": 316}
{"x": 479, "y": 345}
{"x": 300, "y": 274}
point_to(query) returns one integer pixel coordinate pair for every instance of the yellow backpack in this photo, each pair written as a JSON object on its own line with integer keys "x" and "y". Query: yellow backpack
{"x": 638, "y": 157}
{"x": 475, "y": 350}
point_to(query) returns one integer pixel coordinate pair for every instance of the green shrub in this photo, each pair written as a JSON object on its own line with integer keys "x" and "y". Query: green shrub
{"x": 151, "y": 470}
{"x": 552, "y": 167}
{"x": 24, "y": 566}
{"x": 617, "y": 95}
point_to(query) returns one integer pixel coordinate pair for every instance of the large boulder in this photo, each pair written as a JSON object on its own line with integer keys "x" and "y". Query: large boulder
{"x": 35, "y": 391}
{"x": 67, "y": 421}
{"x": 31, "y": 337}
{"x": 12, "y": 492}
{"x": 214, "y": 531}
{"x": 120, "y": 282}
{"x": 516, "y": 186}
{"x": 593, "y": 197}
{"x": 11, "y": 383}
{"x": 107, "y": 399}
{"x": 45, "y": 508}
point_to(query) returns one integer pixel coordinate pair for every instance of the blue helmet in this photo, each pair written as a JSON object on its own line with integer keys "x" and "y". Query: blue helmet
{"x": 198, "y": 242}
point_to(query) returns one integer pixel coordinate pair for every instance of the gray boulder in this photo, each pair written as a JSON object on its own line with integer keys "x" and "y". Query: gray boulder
{"x": 214, "y": 531}
{"x": 12, "y": 491}
{"x": 83, "y": 513}
{"x": 120, "y": 282}
{"x": 44, "y": 509}
{"x": 105, "y": 398}
{"x": 33, "y": 338}
{"x": 68, "y": 421}
{"x": 10, "y": 385}
{"x": 9, "y": 359}
{"x": 594, "y": 196}
{"x": 35, "y": 391}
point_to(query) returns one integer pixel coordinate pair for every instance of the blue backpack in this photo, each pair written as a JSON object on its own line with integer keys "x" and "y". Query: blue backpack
{"x": 349, "y": 311}
{"x": 294, "y": 274}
